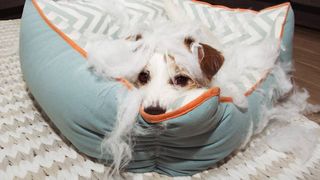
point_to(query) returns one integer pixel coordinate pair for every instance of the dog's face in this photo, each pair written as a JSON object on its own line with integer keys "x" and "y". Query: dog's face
{"x": 163, "y": 81}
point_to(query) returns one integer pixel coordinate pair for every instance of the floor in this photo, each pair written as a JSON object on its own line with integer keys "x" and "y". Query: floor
{"x": 306, "y": 54}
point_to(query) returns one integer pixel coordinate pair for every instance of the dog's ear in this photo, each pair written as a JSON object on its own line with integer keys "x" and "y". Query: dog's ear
{"x": 136, "y": 37}
{"x": 210, "y": 60}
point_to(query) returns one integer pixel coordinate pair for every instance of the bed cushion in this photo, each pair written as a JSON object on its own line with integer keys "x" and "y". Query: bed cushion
{"x": 84, "y": 107}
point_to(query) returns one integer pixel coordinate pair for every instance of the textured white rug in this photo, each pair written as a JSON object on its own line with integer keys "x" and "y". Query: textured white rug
{"x": 31, "y": 149}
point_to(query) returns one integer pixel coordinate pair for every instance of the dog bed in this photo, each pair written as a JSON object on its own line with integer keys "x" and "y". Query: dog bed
{"x": 83, "y": 107}
{"x": 30, "y": 149}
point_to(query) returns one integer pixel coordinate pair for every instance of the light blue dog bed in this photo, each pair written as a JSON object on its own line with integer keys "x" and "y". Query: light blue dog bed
{"x": 84, "y": 107}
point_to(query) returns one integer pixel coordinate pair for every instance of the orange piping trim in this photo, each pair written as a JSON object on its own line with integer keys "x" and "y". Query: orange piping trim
{"x": 183, "y": 110}
{"x": 125, "y": 82}
{"x": 65, "y": 37}
{"x": 284, "y": 21}
{"x": 255, "y": 86}
{"x": 250, "y": 10}
{"x": 225, "y": 99}
{"x": 241, "y": 9}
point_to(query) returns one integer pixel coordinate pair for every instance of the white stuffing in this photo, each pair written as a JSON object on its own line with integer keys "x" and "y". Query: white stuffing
{"x": 118, "y": 143}
{"x": 241, "y": 60}
{"x": 289, "y": 133}
{"x": 115, "y": 58}
{"x": 296, "y": 137}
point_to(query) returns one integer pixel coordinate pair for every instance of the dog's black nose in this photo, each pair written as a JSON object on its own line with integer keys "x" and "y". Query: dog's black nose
{"x": 154, "y": 110}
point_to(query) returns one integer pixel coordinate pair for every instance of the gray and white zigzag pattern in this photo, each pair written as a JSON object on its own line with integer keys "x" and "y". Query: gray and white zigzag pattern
{"x": 235, "y": 26}
{"x": 79, "y": 19}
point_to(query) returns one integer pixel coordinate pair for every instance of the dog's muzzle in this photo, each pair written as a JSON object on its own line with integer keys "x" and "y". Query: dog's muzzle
{"x": 154, "y": 110}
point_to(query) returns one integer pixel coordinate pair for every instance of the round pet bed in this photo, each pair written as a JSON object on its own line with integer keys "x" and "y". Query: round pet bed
{"x": 84, "y": 107}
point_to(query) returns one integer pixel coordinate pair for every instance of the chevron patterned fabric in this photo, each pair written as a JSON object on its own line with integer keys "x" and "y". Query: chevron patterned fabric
{"x": 31, "y": 148}
{"x": 78, "y": 19}
{"x": 235, "y": 25}
{"x": 82, "y": 20}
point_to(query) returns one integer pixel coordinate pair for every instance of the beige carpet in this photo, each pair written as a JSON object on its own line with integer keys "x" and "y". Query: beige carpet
{"x": 30, "y": 148}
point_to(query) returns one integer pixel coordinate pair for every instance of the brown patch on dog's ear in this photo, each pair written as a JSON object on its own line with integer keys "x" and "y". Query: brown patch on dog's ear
{"x": 136, "y": 37}
{"x": 188, "y": 42}
{"x": 210, "y": 60}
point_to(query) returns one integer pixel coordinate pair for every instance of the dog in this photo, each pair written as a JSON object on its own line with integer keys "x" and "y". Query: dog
{"x": 163, "y": 80}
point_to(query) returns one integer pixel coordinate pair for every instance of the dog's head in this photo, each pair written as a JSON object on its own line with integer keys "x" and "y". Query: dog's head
{"x": 168, "y": 75}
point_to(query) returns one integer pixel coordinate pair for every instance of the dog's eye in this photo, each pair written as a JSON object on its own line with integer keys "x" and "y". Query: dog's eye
{"x": 144, "y": 77}
{"x": 181, "y": 80}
